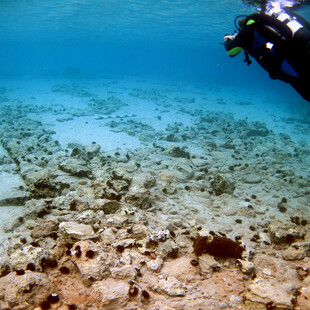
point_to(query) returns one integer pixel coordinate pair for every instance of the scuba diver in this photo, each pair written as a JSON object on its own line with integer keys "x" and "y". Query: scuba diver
{"x": 278, "y": 39}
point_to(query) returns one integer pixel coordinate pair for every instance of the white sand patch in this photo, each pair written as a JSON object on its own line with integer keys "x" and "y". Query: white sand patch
{"x": 269, "y": 107}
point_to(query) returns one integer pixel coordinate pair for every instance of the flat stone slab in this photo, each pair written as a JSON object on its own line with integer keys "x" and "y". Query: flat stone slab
{"x": 252, "y": 179}
{"x": 11, "y": 190}
{"x": 77, "y": 231}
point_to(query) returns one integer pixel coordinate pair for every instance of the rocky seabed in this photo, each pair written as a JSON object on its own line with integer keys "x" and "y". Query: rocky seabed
{"x": 158, "y": 227}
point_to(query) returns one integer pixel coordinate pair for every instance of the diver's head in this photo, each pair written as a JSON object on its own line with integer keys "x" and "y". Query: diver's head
{"x": 242, "y": 22}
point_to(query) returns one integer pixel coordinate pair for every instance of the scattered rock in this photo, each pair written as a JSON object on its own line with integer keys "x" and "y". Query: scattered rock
{"x": 92, "y": 150}
{"x": 75, "y": 166}
{"x": 208, "y": 265}
{"x": 221, "y": 185}
{"x": 285, "y": 232}
{"x": 176, "y": 151}
{"x": 44, "y": 229}
{"x": 107, "y": 206}
{"x": 246, "y": 266}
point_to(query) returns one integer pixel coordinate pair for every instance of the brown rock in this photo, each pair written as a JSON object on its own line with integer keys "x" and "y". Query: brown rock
{"x": 44, "y": 229}
{"x": 108, "y": 206}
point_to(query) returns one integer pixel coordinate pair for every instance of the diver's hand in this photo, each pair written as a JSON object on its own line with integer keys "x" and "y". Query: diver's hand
{"x": 229, "y": 37}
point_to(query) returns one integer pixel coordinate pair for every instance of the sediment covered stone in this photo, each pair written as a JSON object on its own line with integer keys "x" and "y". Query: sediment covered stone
{"x": 257, "y": 129}
{"x": 123, "y": 272}
{"x": 102, "y": 190}
{"x": 168, "y": 249}
{"x": 297, "y": 251}
{"x": 75, "y": 166}
{"x": 14, "y": 193}
{"x": 92, "y": 261}
{"x": 168, "y": 189}
{"x": 35, "y": 208}
{"x": 166, "y": 176}
{"x": 155, "y": 264}
{"x": 251, "y": 179}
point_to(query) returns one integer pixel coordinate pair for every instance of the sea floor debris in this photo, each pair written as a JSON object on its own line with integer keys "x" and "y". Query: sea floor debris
{"x": 145, "y": 228}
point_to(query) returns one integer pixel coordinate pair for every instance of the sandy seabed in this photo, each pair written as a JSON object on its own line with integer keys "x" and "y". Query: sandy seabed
{"x": 125, "y": 194}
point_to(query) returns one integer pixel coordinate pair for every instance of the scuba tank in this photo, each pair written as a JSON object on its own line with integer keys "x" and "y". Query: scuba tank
{"x": 291, "y": 22}
{"x": 298, "y": 26}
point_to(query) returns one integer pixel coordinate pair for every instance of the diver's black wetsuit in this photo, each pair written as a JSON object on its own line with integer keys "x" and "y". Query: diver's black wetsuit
{"x": 286, "y": 56}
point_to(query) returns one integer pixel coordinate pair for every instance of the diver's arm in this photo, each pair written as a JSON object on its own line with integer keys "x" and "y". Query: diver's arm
{"x": 231, "y": 45}
{"x": 234, "y": 44}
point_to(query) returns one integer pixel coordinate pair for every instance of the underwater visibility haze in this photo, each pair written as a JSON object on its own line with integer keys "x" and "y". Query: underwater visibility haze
{"x": 141, "y": 167}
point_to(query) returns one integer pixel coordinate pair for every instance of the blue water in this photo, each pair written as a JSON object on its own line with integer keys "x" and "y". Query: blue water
{"x": 173, "y": 40}
{"x": 166, "y": 39}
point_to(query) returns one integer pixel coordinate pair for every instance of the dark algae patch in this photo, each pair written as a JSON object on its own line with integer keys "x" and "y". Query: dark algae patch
{"x": 218, "y": 247}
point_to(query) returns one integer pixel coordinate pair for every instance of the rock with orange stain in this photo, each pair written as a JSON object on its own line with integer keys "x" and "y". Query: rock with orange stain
{"x": 31, "y": 287}
{"x": 93, "y": 262}
{"x": 111, "y": 293}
